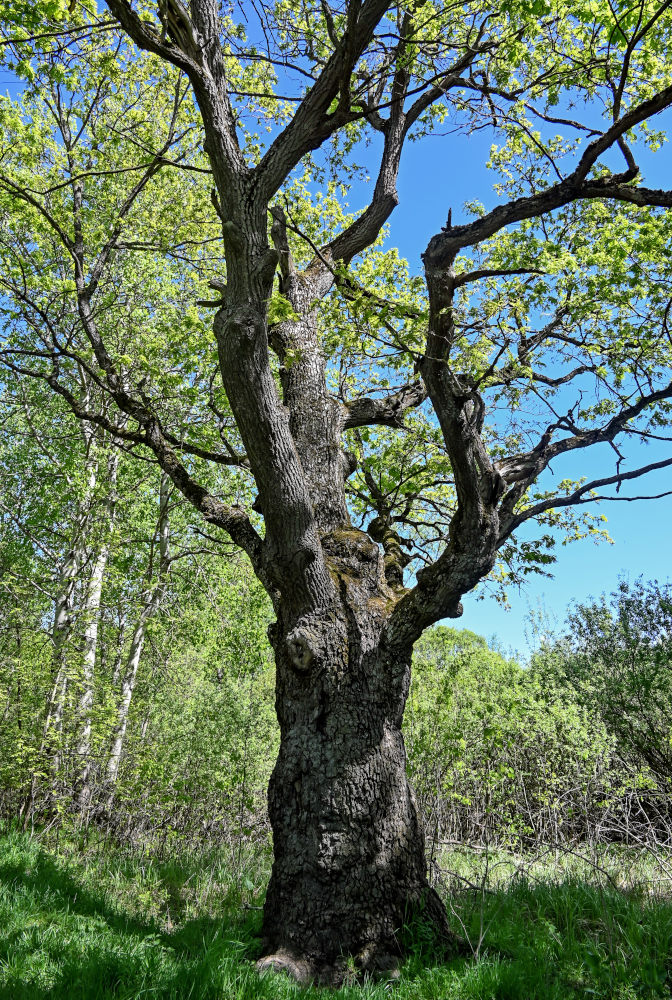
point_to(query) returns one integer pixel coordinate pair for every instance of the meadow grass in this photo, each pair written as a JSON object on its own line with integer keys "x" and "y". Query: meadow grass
{"x": 89, "y": 920}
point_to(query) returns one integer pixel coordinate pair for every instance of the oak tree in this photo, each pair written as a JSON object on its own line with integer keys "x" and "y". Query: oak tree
{"x": 385, "y": 432}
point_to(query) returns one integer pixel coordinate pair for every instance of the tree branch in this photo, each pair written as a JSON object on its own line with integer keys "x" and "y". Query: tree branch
{"x": 233, "y": 520}
{"x": 386, "y": 410}
{"x": 146, "y": 37}
{"x": 579, "y": 495}
{"x": 523, "y": 469}
{"x": 313, "y": 122}
{"x": 444, "y": 246}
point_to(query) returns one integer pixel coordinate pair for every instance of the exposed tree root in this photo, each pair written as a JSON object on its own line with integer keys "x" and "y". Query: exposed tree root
{"x": 297, "y": 968}
{"x": 373, "y": 961}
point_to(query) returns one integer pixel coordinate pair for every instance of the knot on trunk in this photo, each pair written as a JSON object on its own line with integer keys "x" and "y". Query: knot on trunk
{"x": 233, "y": 235}
{"x": 349, "y": 462}
{"x": 301, "y": 646}
{"x": 240, "y": 324}
{"x": 316, "y": 642}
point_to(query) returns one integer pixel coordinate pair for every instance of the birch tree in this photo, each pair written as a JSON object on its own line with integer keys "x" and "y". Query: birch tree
{"x": 91, "y": 614}
{"x": 151, "y": 598}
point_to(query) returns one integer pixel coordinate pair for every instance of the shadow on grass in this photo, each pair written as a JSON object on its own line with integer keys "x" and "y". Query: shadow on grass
{"x": 40, "y": 877}
{"x": 60, "y": 939}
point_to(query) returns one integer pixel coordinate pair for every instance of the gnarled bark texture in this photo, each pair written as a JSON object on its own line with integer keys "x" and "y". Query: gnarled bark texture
{"x": 349, "y": 850}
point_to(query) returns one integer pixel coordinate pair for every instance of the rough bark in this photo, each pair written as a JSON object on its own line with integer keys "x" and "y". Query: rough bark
{"x": 315, "y": 418}
{"x": 349, "y": 862}
{"x": 349, "y": 853}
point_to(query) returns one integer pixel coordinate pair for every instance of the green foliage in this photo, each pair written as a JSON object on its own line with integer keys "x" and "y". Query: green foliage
{"x": 280, "y": 310}
{"x": 601, "y": 272}
{"x": 154, "y": 331}
{"x": 497, "y": 754}
{"x": 205, "y": 667}
{"x": 206, "y": 712}
{"x": 617, "y": 657}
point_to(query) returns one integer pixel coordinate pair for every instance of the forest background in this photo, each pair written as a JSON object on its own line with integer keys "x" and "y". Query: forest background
{"x": 136, "y": 701}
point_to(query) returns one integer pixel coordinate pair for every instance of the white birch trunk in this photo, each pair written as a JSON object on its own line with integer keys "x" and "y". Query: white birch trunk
{"x": 49, "y": 755}
{"x": 119, "y": 655}
{"x": 151, "y": 602}
{"x": 63, "y": 614}
{"x": 92, "y": 619}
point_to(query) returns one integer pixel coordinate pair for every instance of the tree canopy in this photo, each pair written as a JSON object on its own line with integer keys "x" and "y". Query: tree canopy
{"x": 556, "y": 301}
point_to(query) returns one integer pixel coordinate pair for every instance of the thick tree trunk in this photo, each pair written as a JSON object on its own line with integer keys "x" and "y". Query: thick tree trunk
{"x": 349, "y": 864}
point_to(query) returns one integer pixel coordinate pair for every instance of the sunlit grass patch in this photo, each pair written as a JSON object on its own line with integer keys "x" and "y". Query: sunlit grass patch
{"x": 96, "y": 921}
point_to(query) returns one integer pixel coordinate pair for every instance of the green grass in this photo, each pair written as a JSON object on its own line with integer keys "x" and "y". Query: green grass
{"x": 100, "y": 922}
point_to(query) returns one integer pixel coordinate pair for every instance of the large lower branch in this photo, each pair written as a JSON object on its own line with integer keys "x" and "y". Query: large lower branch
{"x": 468, "y": 557}
{"x": 233, "y": 520}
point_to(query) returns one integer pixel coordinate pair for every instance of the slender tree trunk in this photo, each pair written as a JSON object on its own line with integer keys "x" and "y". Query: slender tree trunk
{"x": 151, "y": 602}
{"x": 92, "y": 619}
{"x": 48, "y": 754}
{"x": 119, "y": 653}
{"x": 64, "y": 602}
{"x": 127, "y": 689}
{"x": 91, "y": 611}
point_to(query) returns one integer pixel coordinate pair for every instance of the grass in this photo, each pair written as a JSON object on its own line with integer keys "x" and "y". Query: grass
{"x": 99, "y": 922}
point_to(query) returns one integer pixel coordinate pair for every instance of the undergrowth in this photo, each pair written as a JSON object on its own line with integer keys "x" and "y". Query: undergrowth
{"x": 89, "y": 920}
